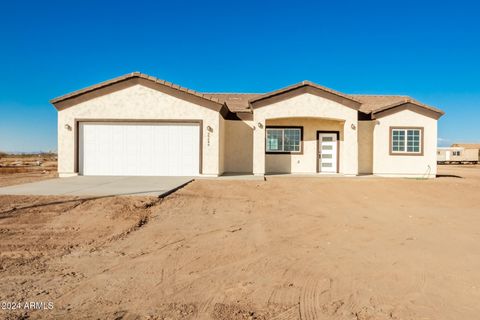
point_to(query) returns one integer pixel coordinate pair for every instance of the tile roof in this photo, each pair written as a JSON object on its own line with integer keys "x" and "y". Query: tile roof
{"x": 240, "y": 102}
{"x": 236, "y": 102}
{"x": 302, "y": 84}
{"x": 377, "y": 103}
{"x": 130, "y": 76}
{"x": 374, "y": 102}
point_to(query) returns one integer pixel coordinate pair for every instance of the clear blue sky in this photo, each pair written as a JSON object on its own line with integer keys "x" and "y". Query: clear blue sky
{"x": 429, "y": 50}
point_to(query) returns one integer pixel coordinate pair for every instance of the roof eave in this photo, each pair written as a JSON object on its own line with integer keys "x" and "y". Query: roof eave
{"x": 408, "y": 101}
{"x": 304, "y": 83}
{"x": 130, "y": 76}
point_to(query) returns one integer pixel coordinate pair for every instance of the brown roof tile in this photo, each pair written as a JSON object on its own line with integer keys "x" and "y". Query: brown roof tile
{"x": 377, "y": 103}
{"x": 302, "y": 84}
{"x": 240, "y": 102}
{"x": 373, "y": 102}
{"x": 129, "y": 76}
{"x": 236, "y": 102}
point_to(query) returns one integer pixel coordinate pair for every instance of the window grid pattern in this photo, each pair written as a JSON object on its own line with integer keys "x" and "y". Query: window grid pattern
{"x": 291, "y": 140}
{"x": 283, "y": 140}
{"x": 398, "y": 140}
{"x": 406, "y": 140}
{"x": 413, "y": 140}
{"x": 274, "y": 140}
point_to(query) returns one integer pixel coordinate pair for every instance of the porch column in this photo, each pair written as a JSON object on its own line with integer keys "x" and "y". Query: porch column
{"x": 350, "y": 145}
{"x": 259, "y": 147}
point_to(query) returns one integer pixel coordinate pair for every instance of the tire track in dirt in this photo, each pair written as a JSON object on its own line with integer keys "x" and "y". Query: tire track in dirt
{"x": 289, "y": 314}
{"x": 309, "y": 300}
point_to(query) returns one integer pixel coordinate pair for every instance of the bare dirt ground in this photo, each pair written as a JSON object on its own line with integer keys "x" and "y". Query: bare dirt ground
{"x": 15, "y": 169}
{"x": 287, "y": 248}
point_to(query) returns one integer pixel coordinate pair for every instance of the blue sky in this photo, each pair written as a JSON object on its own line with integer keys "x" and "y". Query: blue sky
{"x": 429, "y": 50}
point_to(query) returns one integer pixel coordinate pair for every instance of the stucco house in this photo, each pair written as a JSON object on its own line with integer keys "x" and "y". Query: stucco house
{"x": 139, "y": 125}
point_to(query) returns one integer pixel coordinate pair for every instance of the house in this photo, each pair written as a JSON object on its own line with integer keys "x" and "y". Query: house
{"x": 459, "y": 153}
{"x": 449, "y": 154}
{"x": 139, "y": 125}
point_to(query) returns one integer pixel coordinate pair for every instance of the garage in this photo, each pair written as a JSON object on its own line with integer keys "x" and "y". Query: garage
{"x": 139, "y": 148}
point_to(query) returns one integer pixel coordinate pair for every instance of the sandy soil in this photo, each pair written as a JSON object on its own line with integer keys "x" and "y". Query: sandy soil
{"x": 287, "y": 248}
{"x": 24, "y": 169}
{"x": 25, "y": 177}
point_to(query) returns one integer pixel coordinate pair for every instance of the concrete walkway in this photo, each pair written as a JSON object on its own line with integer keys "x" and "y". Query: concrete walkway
{"x": 100, "y": 186}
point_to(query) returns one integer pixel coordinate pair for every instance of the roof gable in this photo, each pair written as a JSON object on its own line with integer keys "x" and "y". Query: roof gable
{"x": 231, "y": 105}
{"x": 132, "y": 79}
{"x": 408, "y": 104}
{"x": 377, "y": 105}
{"x": 301, "y": 88}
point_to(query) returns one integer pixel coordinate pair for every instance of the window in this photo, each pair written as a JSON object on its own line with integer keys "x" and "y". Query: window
{"x": 283, "y": 140}
{"x": 456, "y": 153}
{"x": 406, "y": 140}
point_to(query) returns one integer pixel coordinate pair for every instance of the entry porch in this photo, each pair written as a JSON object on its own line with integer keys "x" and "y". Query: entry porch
{"x": 305, "y": 145}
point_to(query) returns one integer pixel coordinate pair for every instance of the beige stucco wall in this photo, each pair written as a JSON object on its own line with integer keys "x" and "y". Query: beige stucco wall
{"x": 405, "y": 165}
{"x": 365, "y": 146}
{"x": 307, "y": 106}
{"x": 222, "y": 145}
{"x": 306, "y": 162}
{"x": 238, "y": 146}
{"x": 142, "y": 103}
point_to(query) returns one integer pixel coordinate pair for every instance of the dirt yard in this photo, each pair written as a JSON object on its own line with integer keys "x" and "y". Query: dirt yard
{"x": 286, "y": 248}
{"x": 17, "y": 169}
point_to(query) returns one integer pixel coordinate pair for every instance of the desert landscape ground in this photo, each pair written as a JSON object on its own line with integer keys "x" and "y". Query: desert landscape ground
{"x": 17, "y": 169}
{"x": 285, "y": 248}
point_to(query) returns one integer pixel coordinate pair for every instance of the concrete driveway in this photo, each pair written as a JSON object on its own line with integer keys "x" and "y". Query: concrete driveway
{"x": 100, "y": 186}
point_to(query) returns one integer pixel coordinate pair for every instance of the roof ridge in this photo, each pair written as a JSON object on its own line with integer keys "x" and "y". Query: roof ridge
{"x": 378, "y": 95}
{"x": 301, "y": 84}
{"x": 135, "y": 74}
{"x": 232, "y": 93}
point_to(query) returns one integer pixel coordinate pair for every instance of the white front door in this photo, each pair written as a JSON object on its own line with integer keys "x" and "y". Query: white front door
{"x": 327, "y": 152}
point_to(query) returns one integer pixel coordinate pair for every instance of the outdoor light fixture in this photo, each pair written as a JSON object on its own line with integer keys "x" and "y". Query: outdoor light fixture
{"x": 209, "y": 129}
{"x": 260, "y": 125}
{"x": 68, "y": 127}
{"x": 353, "y": 126}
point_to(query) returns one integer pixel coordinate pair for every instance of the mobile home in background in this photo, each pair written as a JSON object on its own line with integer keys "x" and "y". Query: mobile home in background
{"x": 459, "y": 153}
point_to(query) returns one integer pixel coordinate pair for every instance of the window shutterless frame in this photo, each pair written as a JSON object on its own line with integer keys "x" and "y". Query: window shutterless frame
{"x": 405, "y": 152}
{"x": 282, "y": 128}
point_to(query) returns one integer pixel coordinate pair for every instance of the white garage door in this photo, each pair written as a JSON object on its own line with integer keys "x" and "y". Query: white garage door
{"x": 139, "y": 149}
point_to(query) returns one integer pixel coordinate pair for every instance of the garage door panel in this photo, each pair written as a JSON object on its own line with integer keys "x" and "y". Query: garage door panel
{"x": 161, "y": 149}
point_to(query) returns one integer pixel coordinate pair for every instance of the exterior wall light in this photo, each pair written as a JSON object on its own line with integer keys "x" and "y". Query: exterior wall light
{"x": 68, "y": 127}
{"x": 209, "y": 129}
{"x": 353, "y": 126}
{"x": 260, "y": 125}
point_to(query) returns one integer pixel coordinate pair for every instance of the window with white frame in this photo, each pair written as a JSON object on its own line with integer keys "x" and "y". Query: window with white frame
{"x": 283, "y": 140}
{"x": 405, "y": 140}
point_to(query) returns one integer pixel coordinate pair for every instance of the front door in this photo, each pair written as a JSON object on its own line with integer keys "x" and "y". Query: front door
{"x": 327, "y": 152}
